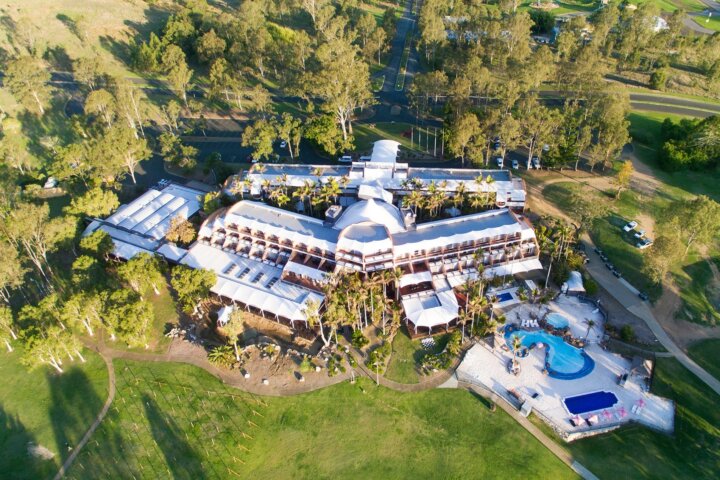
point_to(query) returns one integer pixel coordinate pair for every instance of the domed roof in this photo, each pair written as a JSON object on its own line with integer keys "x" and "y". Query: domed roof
{"x": 372, "y": 211}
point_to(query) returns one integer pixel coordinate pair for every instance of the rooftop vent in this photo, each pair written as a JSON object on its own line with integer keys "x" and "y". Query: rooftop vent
{"x": 408, "y": 217}
{"x": 332, "y": 213}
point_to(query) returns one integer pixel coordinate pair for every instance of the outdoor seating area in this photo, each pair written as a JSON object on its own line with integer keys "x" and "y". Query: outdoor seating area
{"x": 574, "y": 390}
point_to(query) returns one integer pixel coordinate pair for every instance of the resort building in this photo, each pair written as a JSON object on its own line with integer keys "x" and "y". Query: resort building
{"x": 275, "y": 261}
{"x": 381, "y": 170}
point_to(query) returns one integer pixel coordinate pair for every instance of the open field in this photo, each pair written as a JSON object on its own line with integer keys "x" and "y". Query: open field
{"x": 171, "y": 419}
{"x": 75, "y": 29}
{"x": 50, "y": 410}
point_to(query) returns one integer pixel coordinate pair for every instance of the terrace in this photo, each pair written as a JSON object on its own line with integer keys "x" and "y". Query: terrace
{"x": 578, "y": 392}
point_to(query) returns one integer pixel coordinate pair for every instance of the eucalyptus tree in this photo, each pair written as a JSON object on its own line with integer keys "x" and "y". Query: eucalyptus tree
{"x": 7, "y": 327}
{"x": 28, "y": 80}
{"x": 12, "y": 270}
{"x": 143, "y": 272}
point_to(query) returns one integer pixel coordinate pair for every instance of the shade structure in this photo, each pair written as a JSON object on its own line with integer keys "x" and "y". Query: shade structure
{"x": 415, "y": 278}
{"x": 372, "y": 211}
{"x": 385, "y": 151}
{"x": 431, "y": 310}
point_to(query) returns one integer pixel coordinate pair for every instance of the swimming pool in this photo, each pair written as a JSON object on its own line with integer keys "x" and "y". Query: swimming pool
{"x": 556, "y": 320}
{"x": 590, "y": 402}
{"x": 562, "y": 361}
{"x": 504, "y": 297}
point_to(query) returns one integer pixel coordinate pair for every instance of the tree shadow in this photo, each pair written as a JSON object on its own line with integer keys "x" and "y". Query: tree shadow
{"x": 74, "y": 405}
{"x": 58, "y": 58}
{"x": 16, "y": 443}
{"x": 71, "y": 24}
{"x": 181, "y": 458}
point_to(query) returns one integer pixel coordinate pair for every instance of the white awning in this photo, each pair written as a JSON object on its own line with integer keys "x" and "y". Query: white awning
{"x": 438, "y": 308}
{"x": 415, "y": 278}
{"x": 305, "y": 271}
{"x": 172, "y": 252}
{"x": 385, "y": 151}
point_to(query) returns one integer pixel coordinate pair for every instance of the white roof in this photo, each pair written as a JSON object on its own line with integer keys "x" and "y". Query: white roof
{"x": 575, "y": 282}
{"x": 367, "y": 191}
{"x": 141, "y": 225}
{"x": 259, "y": 287}
{"x": 415, "y": 278}
{"x": 305, "y": 271}
{"x": 372, "y": 211}
{"x": 172, "y": 252}
{"x": 151, "y": 212}
{"x": 437, "y": 308}
{"x": 385, "y": 151}
{"x": 224, "y": 314}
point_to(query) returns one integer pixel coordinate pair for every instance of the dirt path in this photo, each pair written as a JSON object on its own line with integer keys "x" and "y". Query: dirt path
{"x": 111, "y": 396}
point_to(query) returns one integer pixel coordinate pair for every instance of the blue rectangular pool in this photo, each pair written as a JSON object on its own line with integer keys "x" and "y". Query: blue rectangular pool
{"x": 504, "y": 297}
{"x": 590, "y": 402}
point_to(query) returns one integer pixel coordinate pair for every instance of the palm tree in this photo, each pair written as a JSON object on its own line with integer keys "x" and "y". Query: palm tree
{"x": 590, "y": 323}
{"x": 516, "y": 346}
{"x": 312, "y": 314}
{"x": 459, "y": 197}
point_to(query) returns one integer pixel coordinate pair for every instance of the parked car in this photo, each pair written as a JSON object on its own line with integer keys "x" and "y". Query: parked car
{"x": 643, "y": 296}
{"x": 598, "y": 251}
{"x": 254, "y": 160}
{"x": 630, "y": 226}
{"x": 640, "y": 234}
{"x": 497, "y": 143}
{"x": 345, "y": 159}
{"x": 644, "y": 243}
{"x": 617, "y": 273}
{"x": 500, "y": 162}
{"x": 609, "y": 266}
{"x": 535, "y": 162}
{"x": 283, "y": 144}
{"x": 515, "y": 165}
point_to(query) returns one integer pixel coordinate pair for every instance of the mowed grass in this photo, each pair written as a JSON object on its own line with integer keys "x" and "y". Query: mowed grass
{"x": 47, "y": 409}
{"x": 692, "y": 452}
{"x": 174, "y": 420}
{"x": 366, "y": 134}
{"x": 707, "y": 354}
{"x": 403, "y": 361}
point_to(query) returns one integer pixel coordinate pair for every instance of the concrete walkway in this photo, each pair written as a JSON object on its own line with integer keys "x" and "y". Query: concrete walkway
{"x": 630, "y": 300}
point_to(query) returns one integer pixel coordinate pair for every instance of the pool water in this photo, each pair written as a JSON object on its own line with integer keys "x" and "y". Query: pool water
{"x": 557, "y": 320}
{"x": 590, "y": 402}
{"x": 563, "y": 360}
{"x": 504, "y": 297}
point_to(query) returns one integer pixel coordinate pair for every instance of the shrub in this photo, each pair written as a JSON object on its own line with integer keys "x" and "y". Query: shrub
{"x": 358, "y": 339}
{"x": 335, "y": 365}
{"x": 306, "y": 365}
{"x": 627, "y": 334}
{"x": 591, "y": 286}
{"x": 223, "y": 356}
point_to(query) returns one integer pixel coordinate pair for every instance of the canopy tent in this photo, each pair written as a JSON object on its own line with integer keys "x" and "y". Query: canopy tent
{"x": 574, "y": 284}
{"x": 437, "y": 308}
{"x": 641, "y": 367}
{"x": 172, "y": 252}
{"x": 385, "y": 151}
{"x": 224, "y": 315}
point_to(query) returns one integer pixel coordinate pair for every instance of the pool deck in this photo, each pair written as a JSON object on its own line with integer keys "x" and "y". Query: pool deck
{"x": 487, "y": 367}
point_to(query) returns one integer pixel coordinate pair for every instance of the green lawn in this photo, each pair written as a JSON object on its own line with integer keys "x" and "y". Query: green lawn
{"x": 46, "y": 409}
{"x": 403, "y": 361}
{"x": 608, "y": 235}
{"x": 707, "y": 355}
{"x": 693, "y": 452}
{"x": 713, "y": 24}
{"x": 173, "y": 420}
{"x": 569, "y": 6}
